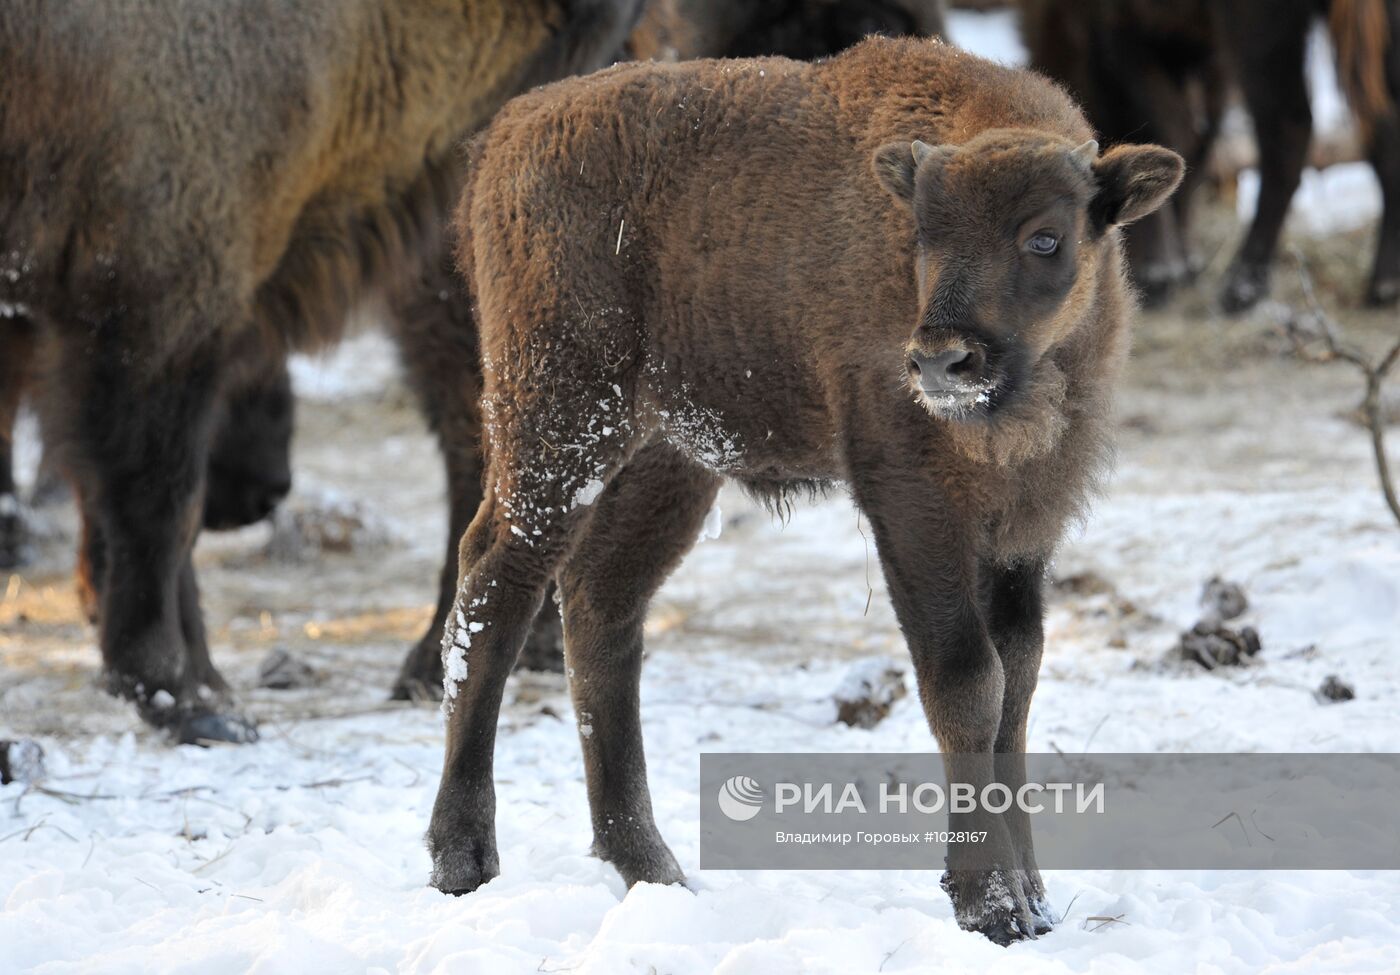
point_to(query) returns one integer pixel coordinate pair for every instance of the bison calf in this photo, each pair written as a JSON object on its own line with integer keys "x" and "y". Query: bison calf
{"x": 755, "y": 269}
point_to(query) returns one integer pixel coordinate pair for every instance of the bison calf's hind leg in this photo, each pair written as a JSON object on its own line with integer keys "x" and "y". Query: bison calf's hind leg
{"x": 645, "y": 522}
{"x": 502, "y": 585}
{"x": 508, "y": 555}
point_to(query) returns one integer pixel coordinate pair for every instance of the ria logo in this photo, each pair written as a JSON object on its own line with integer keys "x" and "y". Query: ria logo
{"x": 740, "y": 798}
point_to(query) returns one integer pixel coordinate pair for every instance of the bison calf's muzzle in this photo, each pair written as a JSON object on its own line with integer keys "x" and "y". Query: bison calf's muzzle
{"x": 952, "y": 381}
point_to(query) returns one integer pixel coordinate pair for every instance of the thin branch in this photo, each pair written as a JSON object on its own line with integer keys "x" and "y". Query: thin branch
{"x": 1333, "y": 348}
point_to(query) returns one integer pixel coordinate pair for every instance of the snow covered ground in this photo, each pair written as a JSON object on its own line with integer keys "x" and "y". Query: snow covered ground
{"x": 304, "y": 853}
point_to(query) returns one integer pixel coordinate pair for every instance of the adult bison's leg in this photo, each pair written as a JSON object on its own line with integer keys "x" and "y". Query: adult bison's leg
{"x": 91, "y": 568}
{"x": 646, "y": 520}
{"x": 1016, "y": 619}
{"x": 16, "y": 354}
{"x": 1268, "y": 41}
{"x": 438, "y": 345}
{"x": 437, "y": 339}
{"x": 931, "y": 567}
{"x": 138, "y": 436}
{"x": 1384, "y": 288}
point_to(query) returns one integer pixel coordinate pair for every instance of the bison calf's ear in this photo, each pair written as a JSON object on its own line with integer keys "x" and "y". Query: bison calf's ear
{"x": 895, "y": 165}
{"x": 1132, "y": 182}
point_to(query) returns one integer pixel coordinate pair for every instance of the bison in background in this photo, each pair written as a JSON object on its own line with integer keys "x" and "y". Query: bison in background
{"x": 1156, "y": 69}
{"x": 803, "y": 29}
{"x": 188, "y": 180}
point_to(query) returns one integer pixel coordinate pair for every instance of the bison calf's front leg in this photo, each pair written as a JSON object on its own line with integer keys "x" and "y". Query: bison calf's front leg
{"x": 928, "y": 552}
{"x": 643, "y": 524}
{"x": 1015, "y": 618}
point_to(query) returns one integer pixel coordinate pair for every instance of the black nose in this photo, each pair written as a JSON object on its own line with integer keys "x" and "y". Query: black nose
{"x": 951, "y": 369}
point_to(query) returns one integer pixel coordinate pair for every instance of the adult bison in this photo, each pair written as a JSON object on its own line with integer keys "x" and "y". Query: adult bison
{"x": 1157, "y": 69}
{"x": 755, "y": 269}
{"x": 188, "y": 186}
{"x": 803, "y": 29}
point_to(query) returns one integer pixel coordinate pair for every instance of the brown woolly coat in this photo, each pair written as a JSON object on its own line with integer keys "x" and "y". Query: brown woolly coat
{"x": 722, "y": 241}
{"x": 158, "y": 151}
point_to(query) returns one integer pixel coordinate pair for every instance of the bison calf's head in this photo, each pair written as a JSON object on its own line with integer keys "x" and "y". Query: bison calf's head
{"x": 1010, "y": 234}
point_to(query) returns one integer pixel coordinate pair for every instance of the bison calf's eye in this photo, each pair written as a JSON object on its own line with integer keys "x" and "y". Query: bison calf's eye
{"x": 1043, "y": 244}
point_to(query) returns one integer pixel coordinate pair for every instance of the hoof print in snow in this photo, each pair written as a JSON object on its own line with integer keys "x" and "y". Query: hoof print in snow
{"x": 306, "y": 527}
{"x": 868, "y": 692}
{"x": 1223, "y": 600}
{"x": 21, "y": 761}
{"x": 1213, "y": 645}
{"x": 1334, "y": 691}
{"x": 280, "y": 671}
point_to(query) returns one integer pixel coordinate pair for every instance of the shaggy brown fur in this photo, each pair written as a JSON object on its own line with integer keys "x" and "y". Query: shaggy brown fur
{"x": 804, "y": 29}
{"x": 751, "y": 269}
{"x": 188, "y": 184}
{"x": 1361, "y": 36}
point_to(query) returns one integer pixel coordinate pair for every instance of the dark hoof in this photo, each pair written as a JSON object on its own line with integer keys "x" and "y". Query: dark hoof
{"x": 15, "y": 549}
{"x": 420, "y": 677}
{"x": 1245, "y": 285}
{"x": 1006, "y": 930}
{"x": 1043, "y": 919}
{"x": 639, "y": 860}
{"x": 209, "y": 727}
{"x": 199, "y": 715}
{"x": 992, "y": 904}
{"x": 465, "y": 867}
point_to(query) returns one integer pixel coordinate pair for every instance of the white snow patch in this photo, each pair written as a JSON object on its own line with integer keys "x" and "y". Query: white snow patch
{"x": 363, "y": 365}
{"x": 714, "y": 523}
{"x": 992, "y": 35}
{"x": 587, "y": 494}
{"x": 1328, "y": 201}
